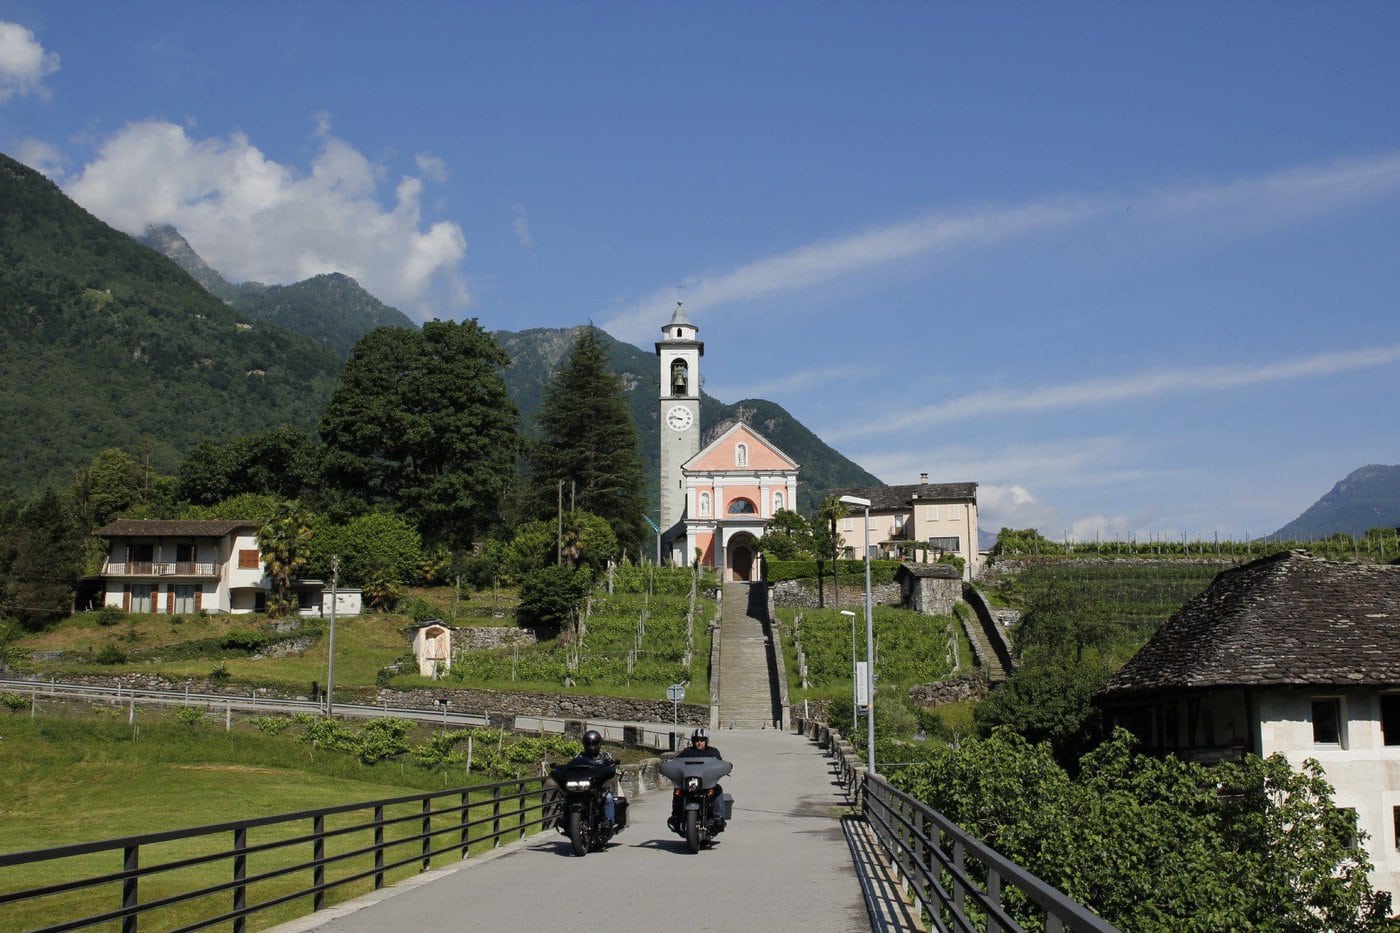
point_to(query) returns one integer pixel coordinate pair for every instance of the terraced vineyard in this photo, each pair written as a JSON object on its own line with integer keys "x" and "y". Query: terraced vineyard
{"x": 911, "y": 648}
{"x": 651, "y": 631}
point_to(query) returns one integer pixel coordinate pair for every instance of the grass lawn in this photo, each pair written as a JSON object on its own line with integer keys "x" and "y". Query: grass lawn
{"x": 78, "y": 775}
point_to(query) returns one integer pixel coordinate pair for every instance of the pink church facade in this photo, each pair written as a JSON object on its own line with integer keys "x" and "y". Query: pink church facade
{"x": 732, "y": 488}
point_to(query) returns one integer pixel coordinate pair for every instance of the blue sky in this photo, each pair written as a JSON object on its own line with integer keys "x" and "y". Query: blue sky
{"x": 1133, "y": 268}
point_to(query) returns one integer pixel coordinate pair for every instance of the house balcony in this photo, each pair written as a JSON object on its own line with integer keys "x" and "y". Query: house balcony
{"x": 160, "y": 568}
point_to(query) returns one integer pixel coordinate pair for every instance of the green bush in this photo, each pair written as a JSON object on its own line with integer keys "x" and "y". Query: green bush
{"x": 189, "y": 715}
{"x": 14, "y": 702}
{"x": 111, "y": 654}
{"x": 271, "y": 725}
{"x": 881, "y": 571}
{"x": 109, "y": 615}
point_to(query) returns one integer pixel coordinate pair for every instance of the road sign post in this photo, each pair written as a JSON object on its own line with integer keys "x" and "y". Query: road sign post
{"x": 675, "y": 693}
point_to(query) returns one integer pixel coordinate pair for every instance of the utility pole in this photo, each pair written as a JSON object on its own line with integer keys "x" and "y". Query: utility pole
{"x": 330, "y": 653}
{"x": 559, "y": 529}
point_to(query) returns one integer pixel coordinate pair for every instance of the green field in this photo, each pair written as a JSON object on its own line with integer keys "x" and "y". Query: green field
{"x": 74, "y": 774}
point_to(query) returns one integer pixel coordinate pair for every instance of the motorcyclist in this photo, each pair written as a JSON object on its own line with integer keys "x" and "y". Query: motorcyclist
{"x": 594, "y": 754}
{"x": 699, "y": 747}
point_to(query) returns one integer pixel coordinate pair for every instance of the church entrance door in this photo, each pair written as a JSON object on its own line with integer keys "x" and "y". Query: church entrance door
{"x": 741, "y": 558}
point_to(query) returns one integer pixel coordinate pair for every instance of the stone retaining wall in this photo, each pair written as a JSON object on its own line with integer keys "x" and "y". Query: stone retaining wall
{"x": 964, "y": 687}
{"x": 488, "y": 637}
{"x": 803, "y": 594}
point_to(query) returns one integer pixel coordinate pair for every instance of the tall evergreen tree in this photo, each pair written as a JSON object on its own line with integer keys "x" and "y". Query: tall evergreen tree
{"x": 421, "y": 423}
{"x": 588, "y": 441}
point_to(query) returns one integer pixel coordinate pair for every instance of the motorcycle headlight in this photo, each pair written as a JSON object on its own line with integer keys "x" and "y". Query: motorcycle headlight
{"x": 577, "y": 785}
{"x": 692, "y": 783}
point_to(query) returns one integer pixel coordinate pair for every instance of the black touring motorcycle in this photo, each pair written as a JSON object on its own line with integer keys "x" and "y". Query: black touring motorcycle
{"x": 704, "y": 808}
{"x": 582, "y": 784}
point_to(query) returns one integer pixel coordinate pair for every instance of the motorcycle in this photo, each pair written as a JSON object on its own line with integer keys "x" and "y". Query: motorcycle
{"x": 705, "y": 810}
{"x": 583, "y": 784}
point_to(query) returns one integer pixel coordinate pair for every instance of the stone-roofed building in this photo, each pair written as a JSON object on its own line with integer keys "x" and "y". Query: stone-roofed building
{"x": 1288, "y": 654}
{"x": 917, "y": 522}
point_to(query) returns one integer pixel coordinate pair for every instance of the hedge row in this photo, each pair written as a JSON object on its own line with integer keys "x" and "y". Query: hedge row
{"x": 881, "y": 571}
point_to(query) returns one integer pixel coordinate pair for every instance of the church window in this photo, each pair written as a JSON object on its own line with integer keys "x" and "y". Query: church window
{"x": 742, "y": 507}
{"x": 704, "y": 503}
{"x": 741, "y": 455}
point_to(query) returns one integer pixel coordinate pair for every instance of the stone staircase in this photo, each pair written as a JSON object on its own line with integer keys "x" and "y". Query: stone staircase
{"x": 747, "y": 681}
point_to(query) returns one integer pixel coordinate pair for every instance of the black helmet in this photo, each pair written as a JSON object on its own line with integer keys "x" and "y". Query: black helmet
{"x": 592, "y": 741}
{"x": 699, "y": 735}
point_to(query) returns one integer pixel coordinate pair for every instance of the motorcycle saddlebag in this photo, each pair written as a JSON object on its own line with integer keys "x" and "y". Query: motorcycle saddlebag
{"x": 620, "y": 812}
{"x": 724, "y": 807}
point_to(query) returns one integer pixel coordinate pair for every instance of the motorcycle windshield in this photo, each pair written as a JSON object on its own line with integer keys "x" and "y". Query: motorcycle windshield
{"x": 708, "y": 770}
{"x": 582, "y": 770}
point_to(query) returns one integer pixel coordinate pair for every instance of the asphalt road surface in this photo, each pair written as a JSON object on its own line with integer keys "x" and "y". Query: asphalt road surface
{"x": 782, "y": 864}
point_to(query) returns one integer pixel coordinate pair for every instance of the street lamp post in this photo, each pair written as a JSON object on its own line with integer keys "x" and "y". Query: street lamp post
{"x": 855, "y": 690}
{"x": 869, "y": 639}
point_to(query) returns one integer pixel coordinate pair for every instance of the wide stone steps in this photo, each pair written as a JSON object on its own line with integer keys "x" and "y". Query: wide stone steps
{"x": 746, "y": 682}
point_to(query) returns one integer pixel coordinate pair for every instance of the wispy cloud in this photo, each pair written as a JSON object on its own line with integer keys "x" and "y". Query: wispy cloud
{"x": 23, "y": 62}
{"x": 521, "y": 225}
{"x": 1221, "y": 208}
{"x": 1116, "y": 389}
{"x": 785, "y": 385}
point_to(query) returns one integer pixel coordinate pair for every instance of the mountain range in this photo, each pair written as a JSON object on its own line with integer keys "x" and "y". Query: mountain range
{"x": 111, "y": 342}
{"x": 1367, "y": 498}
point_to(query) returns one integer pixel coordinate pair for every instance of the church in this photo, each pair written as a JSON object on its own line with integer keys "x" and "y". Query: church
{"x": 716, "y": 500}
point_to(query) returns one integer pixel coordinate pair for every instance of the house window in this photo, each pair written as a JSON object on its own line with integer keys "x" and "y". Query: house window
{"x": 1395, "y": 818}
{"x": 944, "y": 544}
{"x": 184, "y": 599}
{"x": 140, "y": 597}
{"x": 848, "y": 524}
{"x": 1390, "y": 718}
{"x": 249, "y": 559}
{"x": 1347, "y": 828}
{"x": 704, "y": 503}
{"x": 741, "y": 455}
{"x": 1327, "y": 720}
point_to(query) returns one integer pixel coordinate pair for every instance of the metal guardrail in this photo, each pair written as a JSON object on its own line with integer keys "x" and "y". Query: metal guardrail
{"x": 958, "y": 881}
{"x": 419, "y": 827}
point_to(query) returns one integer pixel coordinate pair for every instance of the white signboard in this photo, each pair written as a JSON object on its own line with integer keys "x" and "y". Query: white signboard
{"x": 675, "y": 693}
{"x": 862, "y": 685}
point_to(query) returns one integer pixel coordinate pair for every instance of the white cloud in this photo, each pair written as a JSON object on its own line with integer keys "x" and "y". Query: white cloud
{"x": 23, "y": 62}
{"x": 1116, "y": 389}
{"x": 255, "y": 219}
{"x": 521, "y": 226}
{"x": 432, "y": 167}
{"x": 1216, "y": 210}
{"x": 41, "y": 157}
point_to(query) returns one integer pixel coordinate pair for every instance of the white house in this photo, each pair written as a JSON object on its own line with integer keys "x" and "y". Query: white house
{"x": 1289, "y": 654}
{"x": 179, "y": 567}
{"x": 917, "y": 522}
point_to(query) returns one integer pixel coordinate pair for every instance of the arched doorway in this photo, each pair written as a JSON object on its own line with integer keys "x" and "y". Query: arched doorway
{"x": 741, "y": 557}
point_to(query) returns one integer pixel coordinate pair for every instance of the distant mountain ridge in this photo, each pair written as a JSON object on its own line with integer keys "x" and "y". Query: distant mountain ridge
{"x": 332, "y": 308}
{"x": 1367, "y": 498}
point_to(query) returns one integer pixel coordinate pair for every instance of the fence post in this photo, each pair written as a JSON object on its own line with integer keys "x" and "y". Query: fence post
{"x": 240, "y": 872}
{"x": 464, "y": 820}
{"x": 318, "y": 856}
{"x": 495, "y": 816}
{"x": 379, "y": 847}
{"x": 131, "y": 861}
{"x": 427, "y": 845}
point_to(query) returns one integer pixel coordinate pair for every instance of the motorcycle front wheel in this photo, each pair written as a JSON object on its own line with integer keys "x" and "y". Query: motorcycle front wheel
{"x": 576, "y": 835}
{"x": 692, "y": 831}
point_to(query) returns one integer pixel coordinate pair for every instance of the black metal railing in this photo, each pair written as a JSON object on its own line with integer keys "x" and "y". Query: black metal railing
{"x": 187, "y": 879}
{"x": 959, "y": 882}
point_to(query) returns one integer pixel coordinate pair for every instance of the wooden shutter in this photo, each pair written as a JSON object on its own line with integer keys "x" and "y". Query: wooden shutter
{"x": 126, "y": 597}
{"x": 249, "y": 559}
{"x": 170, "y": 601}
{"x": 198, "y": 598}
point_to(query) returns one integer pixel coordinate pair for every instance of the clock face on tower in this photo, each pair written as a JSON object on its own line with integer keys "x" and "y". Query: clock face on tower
{"x": 679, "y": 418}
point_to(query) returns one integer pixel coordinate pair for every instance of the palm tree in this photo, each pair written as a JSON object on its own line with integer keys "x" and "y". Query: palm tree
{"x": 284, "y": 542}
{"x": 832, "y": 508}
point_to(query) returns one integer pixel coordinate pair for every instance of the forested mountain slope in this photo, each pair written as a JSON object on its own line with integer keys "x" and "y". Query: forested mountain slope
{"x": 103, "y": 343}
{"x": 535, "y": 354}
{"x": 332, "y": 309}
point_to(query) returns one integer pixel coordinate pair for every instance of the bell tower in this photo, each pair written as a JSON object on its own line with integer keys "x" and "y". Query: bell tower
{"x": 678, "y": 355}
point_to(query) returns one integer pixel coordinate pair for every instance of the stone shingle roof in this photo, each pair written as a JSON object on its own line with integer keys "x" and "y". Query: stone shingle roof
{"x": 936, "y": 571}
{"x": 153, "y": 528}
{"x": 892, "y": 498}
{"x": 1286, "y": 620}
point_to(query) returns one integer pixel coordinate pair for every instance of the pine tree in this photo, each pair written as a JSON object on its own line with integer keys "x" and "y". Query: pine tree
{"x": 588, "y": 442}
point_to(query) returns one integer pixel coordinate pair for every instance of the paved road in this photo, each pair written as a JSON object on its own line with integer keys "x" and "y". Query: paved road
{"x": 782, "y": 864}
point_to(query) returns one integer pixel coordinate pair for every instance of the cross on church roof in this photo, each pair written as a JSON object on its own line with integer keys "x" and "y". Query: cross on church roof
{"x": 743, "y": 414}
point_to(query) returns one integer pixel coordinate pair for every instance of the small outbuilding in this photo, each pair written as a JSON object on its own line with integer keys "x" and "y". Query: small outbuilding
{"x": 931, "y": 589}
